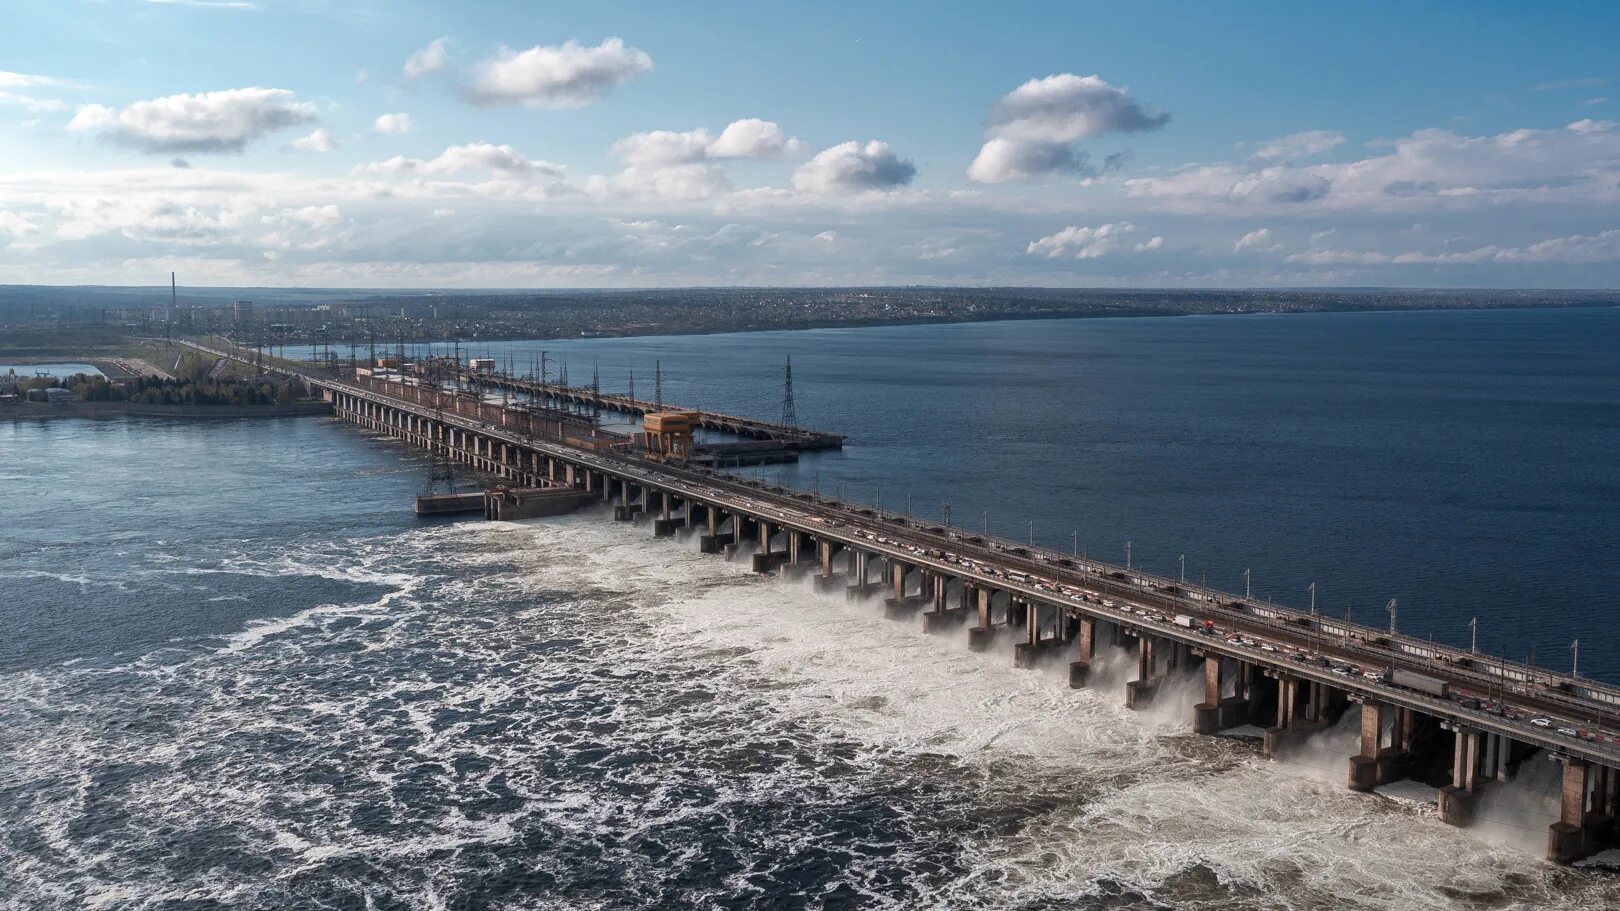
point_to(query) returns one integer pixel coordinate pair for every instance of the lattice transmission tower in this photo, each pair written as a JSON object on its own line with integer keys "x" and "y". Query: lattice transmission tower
{"x": 790, "y": 413}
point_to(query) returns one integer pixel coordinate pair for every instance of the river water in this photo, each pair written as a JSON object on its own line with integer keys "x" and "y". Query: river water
{"x": 236, "y": 672}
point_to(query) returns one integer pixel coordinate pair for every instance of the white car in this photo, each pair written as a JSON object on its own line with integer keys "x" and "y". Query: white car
{"x": 1541, "y": 722}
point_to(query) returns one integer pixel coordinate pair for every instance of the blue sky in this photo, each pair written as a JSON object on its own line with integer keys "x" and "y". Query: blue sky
{"x": 557, "y": 144}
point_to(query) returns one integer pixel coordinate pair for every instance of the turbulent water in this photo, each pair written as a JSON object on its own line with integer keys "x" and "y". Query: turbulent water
{"x": 236, "y": 674}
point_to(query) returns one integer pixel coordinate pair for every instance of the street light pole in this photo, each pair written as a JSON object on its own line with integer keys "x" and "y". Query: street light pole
{"x": 1076, "y": 537}
{"x": 1393, "y": 616}
{"x": 1031, "y": 532}
{"x": 987, "y": 523}
{"x": 1246, "y": 585}
{"x": 1313, "y": 598}
{"x": 1127, "y": 555}
{"x": 1473, "y": 636}
{"x": 1183, "y": 559}
{"x": 1575, "y": 666}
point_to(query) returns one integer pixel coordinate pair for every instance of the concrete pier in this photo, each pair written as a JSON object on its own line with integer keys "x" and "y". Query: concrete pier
{"x": 1377, "y": 762}
{"x": 1139, "y": 693}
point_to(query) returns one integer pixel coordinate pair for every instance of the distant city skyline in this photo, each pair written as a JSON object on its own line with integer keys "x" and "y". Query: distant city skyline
{"x": 500, "y": 144}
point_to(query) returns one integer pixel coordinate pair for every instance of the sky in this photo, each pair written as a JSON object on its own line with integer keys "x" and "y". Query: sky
{"x": 506, "y": 144}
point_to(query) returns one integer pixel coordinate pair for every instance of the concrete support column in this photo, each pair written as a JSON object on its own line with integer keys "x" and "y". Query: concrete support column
{"x": 1457, "y": 799}
{"x": 824, "y": 556}
{"x": 1369, "y": 767}
{"x": 1080, "y": 666}
{"x": 1139, "y": 692}
{"x": 1287, "y": 688}
{"x": 1569, "y": 839}
{"x": 1207, "y": 714}
{"x": 897, "y": 579}
{"x": 980, "y": 634}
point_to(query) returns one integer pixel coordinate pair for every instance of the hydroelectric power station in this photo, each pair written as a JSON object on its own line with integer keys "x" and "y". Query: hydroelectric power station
{"x": 1455, "y": 718}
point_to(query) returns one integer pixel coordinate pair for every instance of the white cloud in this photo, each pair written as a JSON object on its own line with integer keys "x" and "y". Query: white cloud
{"x": 1067, "y": 108}
{"x": 750, "y": 138}
{"x": 224, "y": 121}
{"x": 30, "y": 102}
{"x": 1088, "y": 243}
{"x": 691, "y": 180}
{"x": 560, "y": 76}
{"x": 1031, "y": 128}
{"x": 395, "y": 124}
{"x": 444, "y": 212}
{"x": 1153, "y": 243}
{"x": 10, "y": 80}
{"x": 1428, "y": 170}
{"x": 828, "y": 237}
{"x": 1002, "y": 160}
{"x": 1258, "y": 239}
{"x": 1235, "y": 185}
{"x": 431, "y": 59}
{"x": 317, "y": 141}
{"x": 15, "y": 224}
{"x": 1301, "y": 145}
{"x": 1603, "y": 247}
{"x": 659, "y": 147}
{"x": 753, "y": 138}
{"x": 1589, "y": 125}
{"x": 853, "y": 167}
{"x": 470, "y": 157}
{"x": 309, "y": 216}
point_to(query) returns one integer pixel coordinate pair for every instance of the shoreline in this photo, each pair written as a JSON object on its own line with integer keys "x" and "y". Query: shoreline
{"x": 1002, "y": 318}
{"x": 36, "y": 411}
{"x": 98, "y": 361}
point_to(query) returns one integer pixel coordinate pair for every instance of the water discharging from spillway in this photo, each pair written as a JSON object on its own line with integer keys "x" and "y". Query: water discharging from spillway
{"x": 574, "y": 714}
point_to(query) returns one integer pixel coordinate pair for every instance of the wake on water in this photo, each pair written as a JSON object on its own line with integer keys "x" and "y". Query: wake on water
{"x": 573, "y": 714}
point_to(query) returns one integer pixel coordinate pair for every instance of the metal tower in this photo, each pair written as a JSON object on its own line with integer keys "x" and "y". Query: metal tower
{"x": 596, "y": 392}
{"x": 658, "y": 384}
{"x": 790, "y": 413}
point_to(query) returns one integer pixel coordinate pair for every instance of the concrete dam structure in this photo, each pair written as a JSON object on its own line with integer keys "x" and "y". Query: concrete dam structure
{"x": 1459, "y": 720}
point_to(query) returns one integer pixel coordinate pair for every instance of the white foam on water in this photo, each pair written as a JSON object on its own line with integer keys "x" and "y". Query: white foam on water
{"x": 1163, "y": 804}
{"x": 651, "y": 715}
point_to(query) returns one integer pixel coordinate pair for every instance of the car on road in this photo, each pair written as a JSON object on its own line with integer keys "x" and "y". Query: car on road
{"x": 1541, "y": 722}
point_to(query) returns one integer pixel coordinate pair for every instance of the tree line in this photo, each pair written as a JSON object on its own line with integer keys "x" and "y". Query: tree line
{"x": 153, "y": 391}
